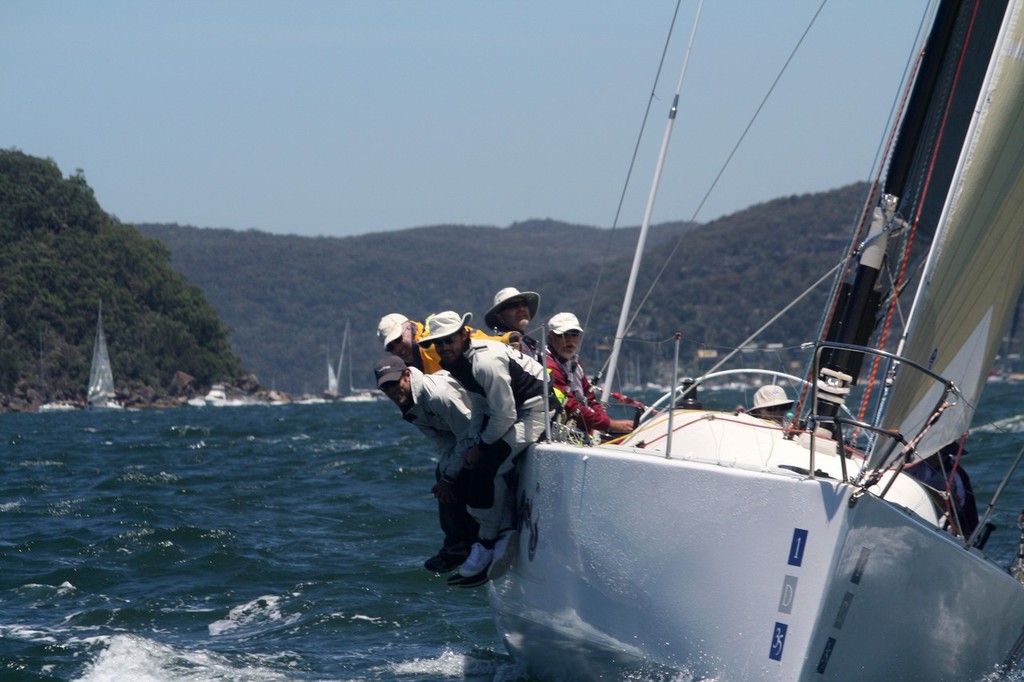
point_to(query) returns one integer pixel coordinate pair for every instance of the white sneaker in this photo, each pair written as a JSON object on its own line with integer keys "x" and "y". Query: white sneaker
{"x": 504, "y": 553}
{"x": 478, "y": 561}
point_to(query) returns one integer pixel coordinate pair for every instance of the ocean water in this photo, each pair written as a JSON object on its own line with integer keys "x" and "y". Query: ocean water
{"x": 243, "y": 543}
{"x": 267, "y": 543}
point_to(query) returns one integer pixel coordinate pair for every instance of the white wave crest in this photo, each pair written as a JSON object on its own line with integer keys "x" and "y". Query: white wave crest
{"x": 253, "y": 615}
{"x": 127, "y": 657}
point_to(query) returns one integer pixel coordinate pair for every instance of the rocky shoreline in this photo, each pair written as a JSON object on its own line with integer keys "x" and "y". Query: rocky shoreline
{"x": 245, "y": 390}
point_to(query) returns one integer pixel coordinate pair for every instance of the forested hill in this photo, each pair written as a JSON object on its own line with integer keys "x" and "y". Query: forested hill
{"x": 196, "y": 305}
{"x": 287, "y": 298}
{"x": 61, "y": 257}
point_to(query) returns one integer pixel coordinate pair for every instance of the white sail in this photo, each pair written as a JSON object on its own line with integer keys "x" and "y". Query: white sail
{"x": 332, "y": 378}
{"x": 975, "y": 271}
{"x": 101, "y": 377}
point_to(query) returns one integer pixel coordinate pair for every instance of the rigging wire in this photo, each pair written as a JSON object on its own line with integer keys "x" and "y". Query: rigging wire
{"x": 882, "y": 155}
{"x": 921, "y": 194}
{"x": 728, "y": 160}
{"x": 808, "y": 290}
{"x": 632, "y": 162}
{"x": 711, "y": 188}
{"x": 620, "y": 331}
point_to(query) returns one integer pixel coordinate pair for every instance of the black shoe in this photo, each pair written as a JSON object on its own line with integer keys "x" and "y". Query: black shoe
{"x": 443, "y": 562}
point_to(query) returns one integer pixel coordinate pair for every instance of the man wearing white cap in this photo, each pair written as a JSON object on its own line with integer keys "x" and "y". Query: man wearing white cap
{"x": 399, "y": 335}
{"x": 506, "y": 388}
{"x": 570, "y": 381}
{"x": 512, "y": 312}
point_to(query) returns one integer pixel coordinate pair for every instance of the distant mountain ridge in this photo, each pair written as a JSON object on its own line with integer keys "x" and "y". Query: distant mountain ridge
{"x": 286, "y": 298}
{"x": 168, "y": 291}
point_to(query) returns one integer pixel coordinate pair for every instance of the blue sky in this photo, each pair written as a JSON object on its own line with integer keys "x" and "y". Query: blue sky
{"x": 331, "y": 117}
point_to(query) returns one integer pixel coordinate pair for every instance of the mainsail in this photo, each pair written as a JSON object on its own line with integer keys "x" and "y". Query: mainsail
{"x": 101, "y": 378}
{"x": 973, "y": 276}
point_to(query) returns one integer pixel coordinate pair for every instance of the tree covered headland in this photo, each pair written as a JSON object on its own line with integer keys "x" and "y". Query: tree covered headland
{"x": 61, "y": 257}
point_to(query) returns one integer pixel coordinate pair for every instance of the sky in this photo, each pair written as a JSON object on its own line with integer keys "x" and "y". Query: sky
{"x": 346, "y": 117}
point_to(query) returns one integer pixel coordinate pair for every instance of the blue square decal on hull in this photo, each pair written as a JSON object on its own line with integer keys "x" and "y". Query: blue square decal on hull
{"x": 778, "y": 641}
{"x": 797, "y": 547}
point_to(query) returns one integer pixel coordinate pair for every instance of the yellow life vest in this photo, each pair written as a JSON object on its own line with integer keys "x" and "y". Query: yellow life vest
{"x": 431, "y": 360}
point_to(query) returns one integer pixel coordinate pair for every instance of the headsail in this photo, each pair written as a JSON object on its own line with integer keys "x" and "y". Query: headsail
{"x": 975, "y": 269}
{"x": 947, "y": 224}
{"x": 332, "y": 378}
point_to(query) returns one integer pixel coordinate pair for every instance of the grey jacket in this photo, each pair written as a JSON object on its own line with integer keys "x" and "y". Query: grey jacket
{"x": 441, "y": 410}
{"x": 501, "y": 382}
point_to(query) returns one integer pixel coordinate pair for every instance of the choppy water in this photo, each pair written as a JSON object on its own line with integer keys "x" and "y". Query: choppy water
{"x": 264, "y": 543}
{"x": 254, "y": 543}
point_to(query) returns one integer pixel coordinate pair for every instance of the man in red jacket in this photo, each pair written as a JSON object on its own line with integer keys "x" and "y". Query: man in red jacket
{"x": 567, "y": 377}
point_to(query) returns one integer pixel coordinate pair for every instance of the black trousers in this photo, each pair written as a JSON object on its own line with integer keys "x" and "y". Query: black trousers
{"x": 480, "y": 492}
{"x": 458, "y": 526}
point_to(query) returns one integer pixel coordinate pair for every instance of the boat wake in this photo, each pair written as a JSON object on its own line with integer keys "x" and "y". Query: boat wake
{"x": 129, "y": 657}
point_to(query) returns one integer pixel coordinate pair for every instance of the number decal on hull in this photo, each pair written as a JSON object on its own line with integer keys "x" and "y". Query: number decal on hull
{"x": 797, "y": 547}
{"x": 778, "y": 641}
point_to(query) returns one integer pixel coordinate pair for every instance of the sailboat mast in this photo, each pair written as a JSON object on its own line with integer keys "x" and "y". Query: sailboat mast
{"x": 345, "y": 349}
{"x": 862, "y": 300}
{"x": 42, "y": 374}
{"x": 627, "y": 302}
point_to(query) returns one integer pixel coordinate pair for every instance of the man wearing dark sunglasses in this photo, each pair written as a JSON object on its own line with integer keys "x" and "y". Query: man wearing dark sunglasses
{"x": 512, "y": 312}
{"x": 401, "y": 336}
{"x": 506, "y": 390}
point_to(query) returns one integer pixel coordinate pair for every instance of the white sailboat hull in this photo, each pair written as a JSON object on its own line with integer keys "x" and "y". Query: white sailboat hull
{"x": 741, "y": 570}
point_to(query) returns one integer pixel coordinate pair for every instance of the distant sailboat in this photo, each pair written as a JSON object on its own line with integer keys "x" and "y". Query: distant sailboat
{"x": 101, "y": 379}
{"x": 334, "y": 375}
{"x": 352, "y": 394}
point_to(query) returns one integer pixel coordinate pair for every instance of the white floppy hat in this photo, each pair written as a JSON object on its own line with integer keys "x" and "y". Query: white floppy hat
{"x": 444, "y": 324}
{"x": 564, "y": 322}
{"x": 508, "y": 293}
{"x": 770, "y": 396}
{"x": 390, "y": 327}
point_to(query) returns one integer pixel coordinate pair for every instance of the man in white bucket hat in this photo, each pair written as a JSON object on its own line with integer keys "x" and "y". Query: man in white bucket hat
{"x": 771, "y": 402}
{"x": 401, "y": 337}
{"x": 506, "y": 388}
{"x": 512, "y": 311}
